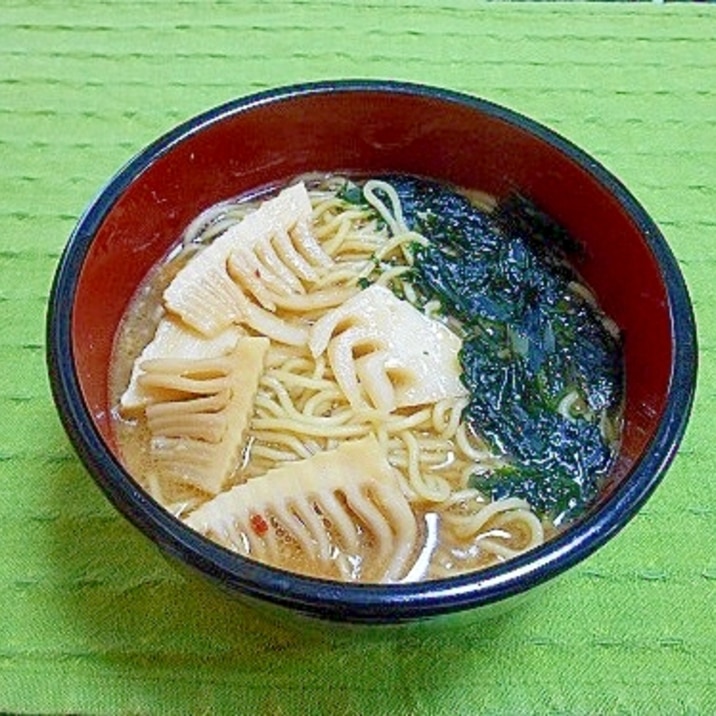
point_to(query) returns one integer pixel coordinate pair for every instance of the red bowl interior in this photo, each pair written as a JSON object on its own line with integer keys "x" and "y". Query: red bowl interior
{"x": 369, "y": 131}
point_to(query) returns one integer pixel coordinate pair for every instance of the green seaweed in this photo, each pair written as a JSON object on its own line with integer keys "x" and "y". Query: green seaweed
{"x": 530, "y": 340}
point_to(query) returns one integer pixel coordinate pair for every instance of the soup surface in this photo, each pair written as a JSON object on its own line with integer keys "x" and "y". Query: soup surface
{"x": 381, "y": 380}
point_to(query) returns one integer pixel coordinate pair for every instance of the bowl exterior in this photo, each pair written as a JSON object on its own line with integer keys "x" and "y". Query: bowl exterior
{"x": 368, "y": 127}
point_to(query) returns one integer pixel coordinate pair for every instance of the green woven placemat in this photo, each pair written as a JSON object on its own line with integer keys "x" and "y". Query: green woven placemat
{"x": 92, "y": 619}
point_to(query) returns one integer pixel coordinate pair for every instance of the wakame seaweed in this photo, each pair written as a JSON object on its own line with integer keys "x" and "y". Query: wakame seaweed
{"x": 530, "y": 340}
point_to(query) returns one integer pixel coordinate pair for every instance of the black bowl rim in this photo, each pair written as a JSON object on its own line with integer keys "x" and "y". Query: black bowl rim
{"x": 378, "y": 604}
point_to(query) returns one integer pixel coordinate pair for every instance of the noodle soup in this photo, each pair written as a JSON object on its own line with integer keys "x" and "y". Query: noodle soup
{"x": 382, "y": 380}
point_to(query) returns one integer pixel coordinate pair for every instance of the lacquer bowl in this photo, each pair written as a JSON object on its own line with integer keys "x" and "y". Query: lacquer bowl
{"x": 371, "y": 127}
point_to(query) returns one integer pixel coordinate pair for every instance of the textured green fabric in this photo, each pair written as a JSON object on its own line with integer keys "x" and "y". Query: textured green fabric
{"x": 92, "y": 618}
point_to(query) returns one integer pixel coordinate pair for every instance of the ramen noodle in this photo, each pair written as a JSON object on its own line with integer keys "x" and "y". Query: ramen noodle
{"x": 295, "y": 383}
